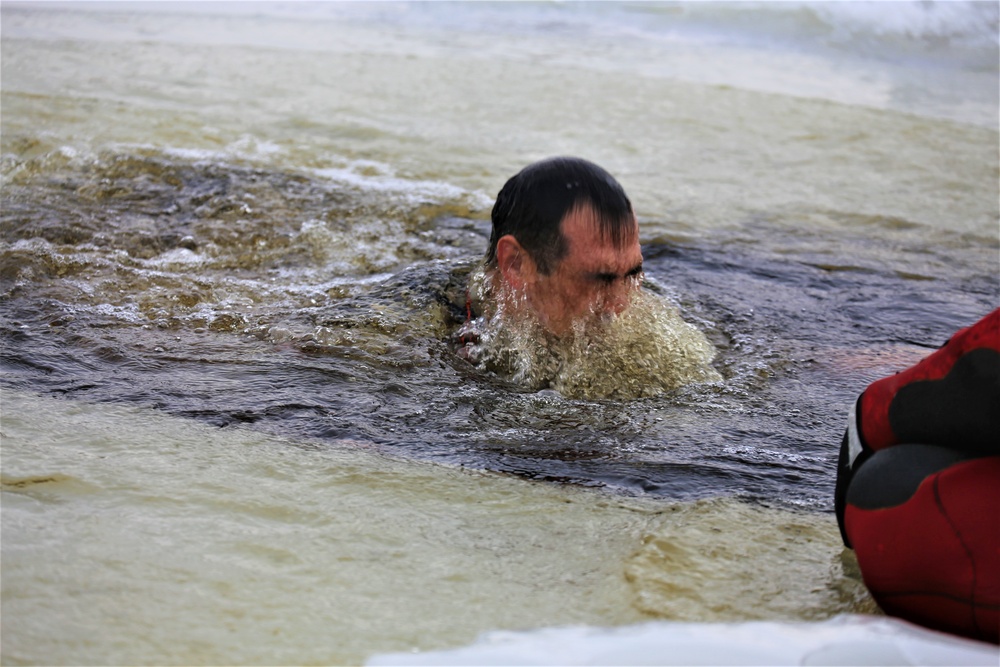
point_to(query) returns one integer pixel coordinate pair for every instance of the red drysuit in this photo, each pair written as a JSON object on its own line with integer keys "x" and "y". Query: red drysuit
{"x": 918, "y": 486}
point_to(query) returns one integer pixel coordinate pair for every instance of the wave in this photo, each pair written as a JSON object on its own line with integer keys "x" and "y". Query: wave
{"x": 963, "y": 32}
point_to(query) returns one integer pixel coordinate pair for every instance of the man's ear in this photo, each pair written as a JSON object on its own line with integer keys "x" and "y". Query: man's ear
{"x": 515, "y": 264}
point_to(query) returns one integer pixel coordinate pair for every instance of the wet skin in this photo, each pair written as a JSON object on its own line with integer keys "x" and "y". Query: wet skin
{"x": 593, "y": 279}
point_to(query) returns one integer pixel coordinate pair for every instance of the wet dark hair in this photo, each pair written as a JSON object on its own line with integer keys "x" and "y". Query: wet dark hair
{"x": 534, "y": 201}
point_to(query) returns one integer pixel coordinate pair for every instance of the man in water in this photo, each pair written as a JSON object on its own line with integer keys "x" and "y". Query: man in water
{"x": 557, "y": 302}
{"x": 564, "y": 247}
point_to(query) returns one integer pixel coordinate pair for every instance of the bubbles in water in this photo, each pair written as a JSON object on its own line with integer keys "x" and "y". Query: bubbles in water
{"x": 647, "y": 350}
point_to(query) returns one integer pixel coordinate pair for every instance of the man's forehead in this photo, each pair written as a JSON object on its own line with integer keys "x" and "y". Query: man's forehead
{"x": 583, "y": 224}
{"x": 583, "y": 228}
{"x": 591, "y": 250}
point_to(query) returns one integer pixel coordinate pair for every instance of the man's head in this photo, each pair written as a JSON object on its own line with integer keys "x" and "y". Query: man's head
{"x": 565, "y": 236}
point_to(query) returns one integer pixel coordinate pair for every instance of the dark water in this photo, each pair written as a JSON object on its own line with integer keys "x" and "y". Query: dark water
{"x": 233, "y": 294}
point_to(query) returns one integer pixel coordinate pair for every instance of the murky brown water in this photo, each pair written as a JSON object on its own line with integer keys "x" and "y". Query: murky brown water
{"x": 232, "y": 266}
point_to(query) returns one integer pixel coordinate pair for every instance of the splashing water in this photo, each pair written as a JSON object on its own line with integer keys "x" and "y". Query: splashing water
{"x": 647, "y": 350}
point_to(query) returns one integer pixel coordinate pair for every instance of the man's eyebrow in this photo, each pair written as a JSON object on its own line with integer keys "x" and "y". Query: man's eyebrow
{"x": 608, "y": 276}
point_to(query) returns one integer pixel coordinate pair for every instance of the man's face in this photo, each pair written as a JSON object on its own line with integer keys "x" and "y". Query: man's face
{"x": 594, "y": 277}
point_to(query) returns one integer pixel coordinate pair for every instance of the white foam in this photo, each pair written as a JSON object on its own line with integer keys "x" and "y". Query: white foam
{"x": 367, "y": 175}
{"x": 842, "y": 640}
{"x": 969, "y": 22}
{"x": 175, "y": 257}
{"x": 127, "y": 313}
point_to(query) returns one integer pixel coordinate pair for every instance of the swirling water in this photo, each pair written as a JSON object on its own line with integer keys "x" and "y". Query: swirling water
{"x": 236, "y": 243}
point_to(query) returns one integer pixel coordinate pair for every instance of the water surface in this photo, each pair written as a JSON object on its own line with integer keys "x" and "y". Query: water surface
{"x": 235, "y": 246}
